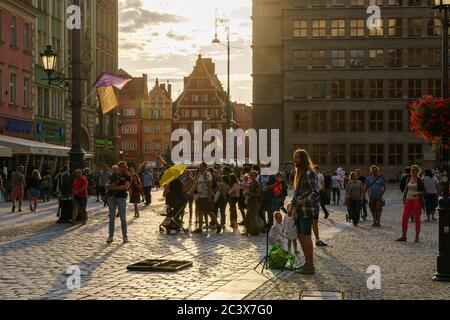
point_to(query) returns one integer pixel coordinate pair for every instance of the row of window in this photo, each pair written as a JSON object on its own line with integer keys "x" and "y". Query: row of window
{"x": 156, "y": 129}
{"x": 371, "y": 58}
{"x": 15, "y": 29}
{"x": 131, "y": 145}
{"x": 357, "y": 121}
{"x": 50, "y": 103}
{"x": 206, "y": 126}
{"x": 391, "y": 27}
{"x": 364, "y": 89}
{"x": 362, "y": 3}
{"x": 363, "y": 154}
{"x": 12, "y": 88}
{"x": 203, "y": 113}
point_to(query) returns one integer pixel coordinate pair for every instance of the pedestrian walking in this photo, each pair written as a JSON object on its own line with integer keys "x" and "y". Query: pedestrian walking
{"x": 204, "y": 187}
{"x": 412, "y": 202}
{"x": 118, "y": 184}
{"x": 375, "y": 187}
{"x": 135, "y": 193}
{"x": 233, "y": 194}
{"x": 47, "y": 186}
{"x": 221, "y": 199}
{"x": 336, "y": 186}
{"x": 103, "y": 178}
{"x": 354, "y": 194}
{"x": 18, "y": 185}
{"x": 254, "y": 224}
{"x": 431, "y": 184}
{"x": 34, "y": 191}
{"x": 267, "y": 182}
{"x": 241, "y": 203}
{"x": 360, "y": 177}
{"x": 290, "y": 231}
{"x": 315, "y": 217}
{"x": 327, "y": 181}
{"x": 80, "y": 197}
{"x": 304, "y": 203}
{"x": 147, "y": 181}
{"x": 324, "y": 199}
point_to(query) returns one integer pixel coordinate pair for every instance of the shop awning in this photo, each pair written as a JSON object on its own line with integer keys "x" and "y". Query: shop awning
{"x": 5, "y": 152}
{"x": 23, "y": 146}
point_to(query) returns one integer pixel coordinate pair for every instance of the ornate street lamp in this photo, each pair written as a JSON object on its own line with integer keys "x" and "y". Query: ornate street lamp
{"x": 443, "y": 259}
{"x": 49, "y": 57}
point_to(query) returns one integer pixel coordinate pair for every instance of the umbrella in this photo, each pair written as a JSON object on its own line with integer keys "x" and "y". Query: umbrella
{"x": 172, "y": 173}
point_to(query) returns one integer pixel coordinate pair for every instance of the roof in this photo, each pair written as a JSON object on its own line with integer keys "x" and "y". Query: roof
{"x": 24, "y": 146}
{"x": 136, "y": 87}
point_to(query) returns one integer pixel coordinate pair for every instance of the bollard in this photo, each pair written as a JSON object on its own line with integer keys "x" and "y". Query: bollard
{"x": 443, "y": 259}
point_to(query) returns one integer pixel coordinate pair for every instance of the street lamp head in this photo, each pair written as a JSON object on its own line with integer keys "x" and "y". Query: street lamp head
{"x": 49, "y": 57}
{"x": 216, "y": 40}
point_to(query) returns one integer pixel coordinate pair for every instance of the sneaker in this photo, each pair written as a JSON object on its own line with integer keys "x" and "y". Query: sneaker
{"x": 320, "y": 243}
{"x": 305, "y": 269}
{"x": 13, "y": 209}
{"x": 110, "y": 239}
{"x": 219, "y": 229}
{"x": 125, "y": 239}
{"x": 326, "y": 216}
{"x": 20, "y": 210}
{"x": 374, "y": 224}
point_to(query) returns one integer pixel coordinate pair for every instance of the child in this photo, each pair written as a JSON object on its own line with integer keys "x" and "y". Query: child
{"x": 290, "y": 231}
{"x": 276, "y": 232}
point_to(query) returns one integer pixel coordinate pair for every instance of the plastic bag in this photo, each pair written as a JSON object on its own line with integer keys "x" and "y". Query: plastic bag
{"x": 281, "y": 259}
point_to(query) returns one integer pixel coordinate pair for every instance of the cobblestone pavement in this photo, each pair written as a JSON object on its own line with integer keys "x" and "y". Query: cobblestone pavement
{"x": 406, "y": 268}
{"x": 35, "y": 257}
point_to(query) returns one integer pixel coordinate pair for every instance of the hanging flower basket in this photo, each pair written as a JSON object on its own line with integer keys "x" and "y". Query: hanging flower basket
{"x": 430, "y": 120}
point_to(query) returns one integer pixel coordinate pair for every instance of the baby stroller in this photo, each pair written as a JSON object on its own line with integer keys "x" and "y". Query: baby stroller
{"x": 172, "y": 222}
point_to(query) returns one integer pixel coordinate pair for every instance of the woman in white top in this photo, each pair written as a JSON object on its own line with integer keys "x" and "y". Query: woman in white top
{"x": 413, "y": 202}
{"x": 431, "y": 184}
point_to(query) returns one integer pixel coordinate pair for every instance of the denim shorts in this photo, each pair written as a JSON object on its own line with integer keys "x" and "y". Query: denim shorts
{"x": 304, "y": 226}
{"x": 79, "y": 202}
{"x": 34, "y": 192}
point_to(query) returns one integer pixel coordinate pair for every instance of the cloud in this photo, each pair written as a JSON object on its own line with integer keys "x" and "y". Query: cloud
{"x": 178, "y": 37}
{"x": 134, "y": 17}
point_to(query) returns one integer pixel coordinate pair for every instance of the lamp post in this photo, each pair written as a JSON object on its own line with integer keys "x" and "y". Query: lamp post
{"x": 224, "y": 21}
{"x": 443, "y": 259}
{"x": 49, "y": 58}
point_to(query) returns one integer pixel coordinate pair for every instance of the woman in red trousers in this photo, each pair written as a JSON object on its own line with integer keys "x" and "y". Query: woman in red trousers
{"x": 412, "y": 202}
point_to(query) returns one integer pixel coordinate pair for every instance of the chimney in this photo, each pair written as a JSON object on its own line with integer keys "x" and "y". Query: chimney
{"x": 169, "y": 89}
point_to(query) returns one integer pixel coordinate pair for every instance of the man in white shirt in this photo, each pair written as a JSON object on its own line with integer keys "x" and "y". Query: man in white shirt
{"x": 336, "y": 188}
{"x": 321, "y": 183}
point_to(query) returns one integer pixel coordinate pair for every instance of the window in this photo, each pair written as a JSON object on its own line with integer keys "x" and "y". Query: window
{"x": 13, "y": 40}
{"x": 13, "y": 88}
{"x": 301, "y": 89}
{"x": 194, "y": 98}
{"x": 434, "y": 57}
{"x": 376, "y": 152}
{"x": 356, "y": 58}
{"x": 414, "y": 2}
{"x": 357, "y": 89}
{"x": 129, "y": 112}
{"x": 338, "y": 28}
{"x": 337, "y": 121}
{"x": 376, "y": 120}
{"x": 147, "y": 147}
{"x": 57, "y": 105}
{"x": 128, "y": 145}
{"x": 357, "y": 27}
{"x": 319, "y": 154}
{"x": 434, "y": 87}
{"x": 205, "y": 98}
{"x": 338, "y": 154}
{"x": 395, "y": 58}
{"x": 395, "y": 88}
{"x": 319, "y": 121}
{"x": 395, "y": 27}
{"x": 301, "y": 58}
{"x": 357, "y": 121}
{"x": 376, "y": 89}
{"x": 378, "y": 31}
{"x": 26, "y": 92}
{"x": 376, "y": 58}
{"x": 319, "y": 3}
{"x": 415, "y": 27}
{"x": 415, "y": 57}
{"x": 434, "y": 27}
{"x": 414, "y": 153}
{"x": 300, "y": 29}
{"x": 166, "y": 146}
{"x": 395, "y": 2}
{"x": 338, "y": 3}
{"x": 396, "y": 120}
{"x": 318, "y": 89}
{"x": 414, "y": 88}
{"x": 301, "y": 121}
{"x": 319, "y": 28}
{"x": 129, "y": 129}
{"x": 338, "y": 89}
{"x": 147, "y": 129}
{"x": 319, "y": 58}
{"x": 157, "y": 146}
{"x": 157, "y": 129}
{"x": 395, "y": 154}
{"x": 357, "y": 154}
{"x": 27, "y": 37}
{"x": 195, "y": 113}
{"x": 338, "y": 58}
{"x": 185, "y": 113}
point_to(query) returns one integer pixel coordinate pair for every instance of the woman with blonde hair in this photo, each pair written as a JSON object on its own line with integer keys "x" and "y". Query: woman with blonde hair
{"x": 412, "y": 202}
{"x": 305, "y": 203}
{"x": 35, "y": 189}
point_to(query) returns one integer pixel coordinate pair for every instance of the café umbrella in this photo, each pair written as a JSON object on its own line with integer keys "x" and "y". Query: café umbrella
{"x": 172, "y": 173}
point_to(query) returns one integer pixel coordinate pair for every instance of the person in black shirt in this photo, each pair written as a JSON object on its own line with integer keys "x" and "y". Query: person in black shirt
{"x": 327, "y": 183}
{"x": 361, "y": 178}
{"x": 118, "y": 185}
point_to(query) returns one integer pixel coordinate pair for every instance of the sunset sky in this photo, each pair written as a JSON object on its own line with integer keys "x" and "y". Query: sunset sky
{"x": 163, "y": 38}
